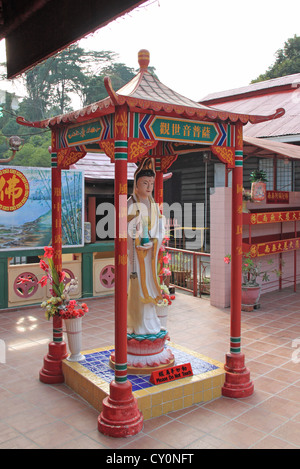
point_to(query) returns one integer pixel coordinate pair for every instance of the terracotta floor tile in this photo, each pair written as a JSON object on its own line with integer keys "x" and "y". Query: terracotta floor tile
{"x": 271, "y": 359}
{"x": 269, "y": 385}
{"x": 258, "y": 368}
{"x": 82, "y": 442}
{"x": 280, "y": 406}
{"x": 291, "y": 393}
{"x": 146, "y": 442}
{"x": 271, "y": 442}
{"x": 53, "y": 435}
{"x": 289, "y": 432}
{"x": 84, "y": 421}
{"x": 35, "y": 415}
{"x": 237, "y": 434}
{"x": 29, "y": 420}
{"x": 202, "y": 418}
{"x": 280, "y": 374}
{"x": 230, "y": 408}
{"x": 19, "y": 442}
{"x": 176, "y": 434}
{"x": 261, "y": 419}
{"x": 7, "y": 433}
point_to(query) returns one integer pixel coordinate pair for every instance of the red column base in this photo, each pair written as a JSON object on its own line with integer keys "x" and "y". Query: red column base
{"x": 51, "y": 373}
{"x": 237, "y": 379}
{"x": 120, "y": 416}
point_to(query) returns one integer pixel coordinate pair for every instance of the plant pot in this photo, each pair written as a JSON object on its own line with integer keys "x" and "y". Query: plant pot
{"x": 205, "y": 288}
{"x": 250, "y": 297}
{"x": 258, "y": 191}
{"x": 74, "y": 333}
{"x": 179, "y": 277}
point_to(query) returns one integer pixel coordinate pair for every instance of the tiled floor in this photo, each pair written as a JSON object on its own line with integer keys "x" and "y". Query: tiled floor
{"x": 35, "y": 415}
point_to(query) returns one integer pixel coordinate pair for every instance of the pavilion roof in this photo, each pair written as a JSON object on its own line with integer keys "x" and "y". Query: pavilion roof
{"x": 145, "y": 93}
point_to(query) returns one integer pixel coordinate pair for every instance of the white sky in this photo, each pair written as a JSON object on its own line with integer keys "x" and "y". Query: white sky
{"x": 200, "y": 47}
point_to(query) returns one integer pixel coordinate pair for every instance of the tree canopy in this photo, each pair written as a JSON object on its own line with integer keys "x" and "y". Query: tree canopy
{"x": 287, "y": 61}
{"x": 50, "y": 90}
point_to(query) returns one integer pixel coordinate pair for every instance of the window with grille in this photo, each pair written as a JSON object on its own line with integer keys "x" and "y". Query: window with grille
{"x": 284, "y": 181}
{"x": 284, "y": 175}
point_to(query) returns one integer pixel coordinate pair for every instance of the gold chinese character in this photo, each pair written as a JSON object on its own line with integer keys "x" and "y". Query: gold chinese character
{"x": 197, "y": 131}
{"x": 186, "y": 130}
{"x": 175, "y": 129}
{"x": 165, "y": 128}
{"x": 12, "y": 191}
{"x": 206, "y": 132}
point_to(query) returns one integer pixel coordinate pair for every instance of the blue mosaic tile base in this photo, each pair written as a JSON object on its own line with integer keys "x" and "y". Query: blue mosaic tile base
{"x": 98, "y": 363}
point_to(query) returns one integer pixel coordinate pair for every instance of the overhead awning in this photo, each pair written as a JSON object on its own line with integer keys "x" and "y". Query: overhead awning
{"x": 36, "y": 29}
{"x": 268, "y": 148}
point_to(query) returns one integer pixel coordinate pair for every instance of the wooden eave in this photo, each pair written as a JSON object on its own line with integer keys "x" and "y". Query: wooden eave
{"x": 34, "y": 30}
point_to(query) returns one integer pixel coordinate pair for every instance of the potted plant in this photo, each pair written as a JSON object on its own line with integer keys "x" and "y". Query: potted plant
{"x": 251, "y": 272}
{"x": 205, "y": 285}
{"x": 60, "y": 304}
{"x": 258, "y": 179}
{"x": 179, "y": 270}
{"x": 164, "y": 274}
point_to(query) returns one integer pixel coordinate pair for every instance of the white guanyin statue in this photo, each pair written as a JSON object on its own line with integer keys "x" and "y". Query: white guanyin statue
{"x": 146, "y": 230}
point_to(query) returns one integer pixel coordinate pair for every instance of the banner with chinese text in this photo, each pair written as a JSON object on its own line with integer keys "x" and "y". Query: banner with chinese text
{"x": 25, "y": 208}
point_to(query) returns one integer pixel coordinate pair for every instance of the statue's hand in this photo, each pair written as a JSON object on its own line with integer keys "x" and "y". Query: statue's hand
{"x": 145, "y": 246}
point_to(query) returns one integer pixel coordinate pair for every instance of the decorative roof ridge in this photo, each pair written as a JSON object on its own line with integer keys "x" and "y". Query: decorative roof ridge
{"x": 161, "y": 99}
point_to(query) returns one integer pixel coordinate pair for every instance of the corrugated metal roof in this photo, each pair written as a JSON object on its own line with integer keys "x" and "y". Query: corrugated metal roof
{"x": 262, "y": 98}
{"x": 265, "y": 147}
{"x": 98, "y": 166}
{"x": 293, "y": 80}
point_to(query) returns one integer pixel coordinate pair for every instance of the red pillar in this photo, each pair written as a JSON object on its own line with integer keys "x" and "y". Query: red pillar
{"x": 159, "y": 184}
{"x": 120, "y": 416}
{"x": 237, "y": 380}
{"x": 51, "y": 373}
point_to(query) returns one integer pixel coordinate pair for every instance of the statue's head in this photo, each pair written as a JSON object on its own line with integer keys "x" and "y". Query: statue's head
{"x": 144, "y": 178}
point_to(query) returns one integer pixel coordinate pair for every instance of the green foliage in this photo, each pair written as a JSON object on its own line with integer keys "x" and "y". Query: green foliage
{"x": 34, "y": 151}
{"x": 50, "y": 87}
{"x": 258, "y": 175}
{"x": 287, "y": 61}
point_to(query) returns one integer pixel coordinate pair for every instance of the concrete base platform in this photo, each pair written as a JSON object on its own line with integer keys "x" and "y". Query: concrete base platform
{"x": 91, "y": 379}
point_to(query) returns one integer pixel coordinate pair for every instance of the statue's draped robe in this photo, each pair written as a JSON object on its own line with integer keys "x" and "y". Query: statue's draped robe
{"x": 144, "y": 292}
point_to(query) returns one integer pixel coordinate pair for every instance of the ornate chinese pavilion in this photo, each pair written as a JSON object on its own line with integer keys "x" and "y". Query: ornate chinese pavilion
{"x": 145, "y": 118}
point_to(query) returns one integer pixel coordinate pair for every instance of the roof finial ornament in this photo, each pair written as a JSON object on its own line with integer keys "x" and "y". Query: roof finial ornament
{"x": 144, "y": 59}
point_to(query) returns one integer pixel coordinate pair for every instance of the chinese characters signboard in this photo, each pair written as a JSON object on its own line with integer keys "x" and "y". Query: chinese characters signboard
{"x": 277, "y": 197}
{"x": 14, "y": 189}
{"x": 272, "y": 247}
{"x": 170, "y": 374}
{"x": 167, "y": 128}
{"x": 273, "y": 217}
{"x": 84, "y": 133}
{"x": 26, "y": 208}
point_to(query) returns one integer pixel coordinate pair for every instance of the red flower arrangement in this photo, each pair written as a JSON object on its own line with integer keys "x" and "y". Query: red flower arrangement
{"x": 70, "y": 311}
{"x": 164, "y": 258}
{"x": 60, "y": 303}
{"x": 163, "y": 261}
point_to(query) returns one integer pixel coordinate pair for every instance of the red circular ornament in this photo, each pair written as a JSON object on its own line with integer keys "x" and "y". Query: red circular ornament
{"x": 14, "y": 189}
